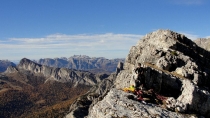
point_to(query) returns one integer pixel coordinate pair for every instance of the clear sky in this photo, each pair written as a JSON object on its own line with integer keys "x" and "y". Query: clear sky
{"x": 98, "y": 28}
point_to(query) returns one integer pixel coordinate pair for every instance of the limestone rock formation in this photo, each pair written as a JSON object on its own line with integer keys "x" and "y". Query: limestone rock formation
{"x": 83, "y": 62}
{"x": 59, "y": 74}
{"x": 175, "y": 67}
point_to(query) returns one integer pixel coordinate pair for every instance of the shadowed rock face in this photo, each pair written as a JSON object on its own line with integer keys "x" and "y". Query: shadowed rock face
{"x": 82, "y": 62}
{"x": 58, "y": 74}
{"x": 174, "y": 67}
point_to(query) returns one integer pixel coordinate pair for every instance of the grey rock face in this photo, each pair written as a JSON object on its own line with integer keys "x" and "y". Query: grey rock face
{"x": 171, "y": 51}
{"x": 82, "y": 62}
{"x": 119, "y": 67}
{"x": 79, "y": 109}
{"x": 167, "y": 46}
{"x": 116, "y": 104}
{"x": 61, "y": 74}
{"x": 174, "y": 66}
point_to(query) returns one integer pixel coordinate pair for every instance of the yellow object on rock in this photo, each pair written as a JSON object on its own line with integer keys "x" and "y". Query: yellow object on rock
{"x": 129, "y": 89}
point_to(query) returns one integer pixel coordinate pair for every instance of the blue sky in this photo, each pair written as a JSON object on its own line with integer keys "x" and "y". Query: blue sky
{"x": 99, "y": 28}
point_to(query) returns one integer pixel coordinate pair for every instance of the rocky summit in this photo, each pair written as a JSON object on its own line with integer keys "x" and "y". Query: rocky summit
{"x": 175, "y": 68}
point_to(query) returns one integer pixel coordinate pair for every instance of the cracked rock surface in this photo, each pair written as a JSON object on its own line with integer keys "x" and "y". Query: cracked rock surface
{"x": 117, "y": 105}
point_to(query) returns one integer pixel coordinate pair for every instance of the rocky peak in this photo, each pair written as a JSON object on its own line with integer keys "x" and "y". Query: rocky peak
{"x": 59, "y": 74}
{"x": 29, "y": 65}
{"x": 170, "y": 51}
{"x": 174, "y": 66}
{"x": 158, "y": 43}
{"x": 162, "y": 38}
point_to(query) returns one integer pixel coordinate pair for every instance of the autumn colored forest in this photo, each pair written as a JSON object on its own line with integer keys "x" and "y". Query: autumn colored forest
{"x": 27, "y": 96}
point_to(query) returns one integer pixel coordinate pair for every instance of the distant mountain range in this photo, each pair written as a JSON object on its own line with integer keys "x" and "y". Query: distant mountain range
{"x": 83, "y": 62}
{"x": 78, "y": 62}
{"x": 47, "y": 87}
{"x": 34, "y": 90}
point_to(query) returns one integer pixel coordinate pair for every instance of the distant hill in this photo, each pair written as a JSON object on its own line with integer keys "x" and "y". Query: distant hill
{"x": 33, "y": 90}
{"x": 83, "y": 62}
{"x": 4, "y": 64}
